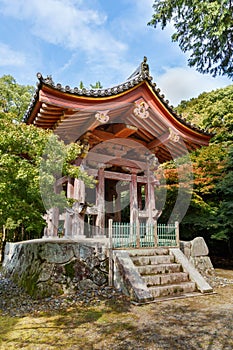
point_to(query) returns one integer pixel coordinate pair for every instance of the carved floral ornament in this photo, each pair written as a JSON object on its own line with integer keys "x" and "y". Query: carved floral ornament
{"x": 102, "y": 116}
{"x": 141, "y": 109}
{"x": 173, "y": 136}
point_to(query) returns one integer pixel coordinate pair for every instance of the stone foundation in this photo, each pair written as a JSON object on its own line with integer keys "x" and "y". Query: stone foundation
{"x": 53, "y": 267}
{"x": 46, "y": 267}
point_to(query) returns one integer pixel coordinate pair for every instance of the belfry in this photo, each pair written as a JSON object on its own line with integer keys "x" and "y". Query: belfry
{"x": 126, "y": 131}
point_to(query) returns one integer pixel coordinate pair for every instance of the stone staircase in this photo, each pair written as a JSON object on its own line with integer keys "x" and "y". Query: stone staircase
{"x": 163, "y": 276}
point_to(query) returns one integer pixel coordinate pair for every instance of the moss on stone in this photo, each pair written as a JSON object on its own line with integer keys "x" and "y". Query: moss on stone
{"x": 70, "y": 269}
{"x": 29, "y": 283}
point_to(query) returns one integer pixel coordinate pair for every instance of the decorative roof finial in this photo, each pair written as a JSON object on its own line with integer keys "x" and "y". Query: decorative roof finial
{"x": 49, "y": 80}
{"x": 145, "y": 66}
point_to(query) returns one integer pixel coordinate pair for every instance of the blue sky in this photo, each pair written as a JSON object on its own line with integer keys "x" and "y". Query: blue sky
{"x": 93, "y": 40}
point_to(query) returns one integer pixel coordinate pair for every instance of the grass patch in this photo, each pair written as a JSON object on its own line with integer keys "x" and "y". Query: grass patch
{"x": 74, "y": 328}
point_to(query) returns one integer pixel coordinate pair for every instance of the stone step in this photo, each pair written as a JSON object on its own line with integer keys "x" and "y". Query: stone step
{"x": 173, "y": 289}
{"x": 168, "y": 278}
{"x": 159, "y": 269}
{"x": 148, "y": 251}
{"x": 152, "y": 260}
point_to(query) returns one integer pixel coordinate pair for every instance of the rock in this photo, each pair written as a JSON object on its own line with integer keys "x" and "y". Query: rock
{"x": 55, "y": 252}
{"x": 87, "y": 284}
{"x": 199, "y": 247}
{"x": 186, "y": 248}
{"x": 203, "y": 264}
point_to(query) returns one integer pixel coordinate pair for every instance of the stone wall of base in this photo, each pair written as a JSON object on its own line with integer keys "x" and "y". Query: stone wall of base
{"x": 197, "y": 253}
{"x": 44, "y": 268}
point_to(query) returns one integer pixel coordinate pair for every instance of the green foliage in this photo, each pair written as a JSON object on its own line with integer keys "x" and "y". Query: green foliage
{"x": 57, "y": 161}
{"x": 208, "y": 168}
{"x": 14, "y": 98}
{"x": 224, "y": 217}
{"x": 81, "y": 85}
{"x": 21, "y": 147}
{"x": 210, "y": 210}
{"x": 97, "y": 85}
{"x": 212, "y": 111}
{"x": 203, "y": 28}
{"x": 31, "y": 160}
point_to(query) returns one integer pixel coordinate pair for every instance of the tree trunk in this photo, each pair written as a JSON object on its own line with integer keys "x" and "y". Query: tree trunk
{"x": 2, "y": 244}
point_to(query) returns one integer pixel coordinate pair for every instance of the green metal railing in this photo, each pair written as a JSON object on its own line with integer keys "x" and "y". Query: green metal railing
{"x": 167, "y": 235}
{"x": 125, "y": 235}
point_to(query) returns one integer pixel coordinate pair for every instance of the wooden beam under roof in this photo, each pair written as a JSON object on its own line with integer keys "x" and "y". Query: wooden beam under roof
{"x": 142, "y": 125}
{"x": 49, "y": 107}
{"x": 159, "y": 141}
{"x": 103, "y": 135}
{"x": 51, "y": 113}
{"x": 122, "y": 130}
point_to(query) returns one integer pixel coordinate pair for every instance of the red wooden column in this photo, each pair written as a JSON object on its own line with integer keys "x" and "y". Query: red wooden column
{"x": 52, "y": 220}
{"x": 100, "y": 203}
{"x": 78, "y": 218}
{"x": 68, "y": 222}
{"x": 79, "y": 190}
{"x": 69, "y": 214}
{"x": 134, "y": 205}
{"x": 70, "y": 188}
{"x": 117, "y": 214}
{"x": 140, "y": 196}
{"x": 150, "y": 197}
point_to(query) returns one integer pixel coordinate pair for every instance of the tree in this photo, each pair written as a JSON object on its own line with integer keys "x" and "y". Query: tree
{"x": 210, "y": 210}
{"x": 21, "y": 147}
{"x": 208, "y": 170}
{"x": 212, "y": 111}
{"x": 14, "y": 98}
{"x": 22, "y": 153}
{"x": 224, "y": 218}
{"x": 81, "y": 85}
{"x": 97, "y": 85}
{"x": 26, "y": 171}
{"x": 203, "y": 28}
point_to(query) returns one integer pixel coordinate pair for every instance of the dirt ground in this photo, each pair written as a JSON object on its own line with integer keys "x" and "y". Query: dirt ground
{"x": 201, "y": 322}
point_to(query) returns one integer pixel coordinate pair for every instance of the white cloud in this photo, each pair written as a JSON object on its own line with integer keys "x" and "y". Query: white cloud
{"x": 80, "y": 30}
{"x": 184, "y": 83}
{"x": 9, "y": 57}
{"x": 67, "y": 23}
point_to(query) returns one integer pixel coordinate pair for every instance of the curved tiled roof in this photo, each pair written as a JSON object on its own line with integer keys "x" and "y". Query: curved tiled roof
{"x": 141, "y": 74}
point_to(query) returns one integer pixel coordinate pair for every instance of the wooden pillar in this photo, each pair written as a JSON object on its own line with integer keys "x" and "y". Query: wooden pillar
{"x": 133, "y": 198}
{"x": 70, "y": 188}
{"x": 118, "y": 207}
{"x": 68, "y": 222}
{"x": 52, "y": 218}
{"x": 134, "y": 220}
{"x": 100, "y": 203}
{"x": 150, "y": 198}
{"x": 78, "y": 218}
{"x": 109, "y": 199}
{"x": 79, "y": 191}
{"x": 140, "y": 196}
